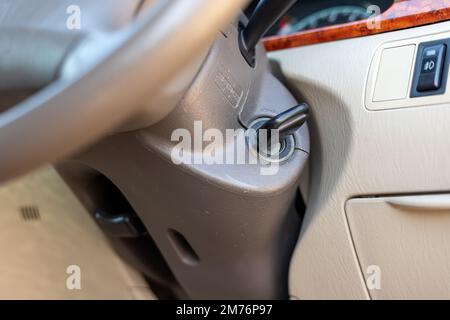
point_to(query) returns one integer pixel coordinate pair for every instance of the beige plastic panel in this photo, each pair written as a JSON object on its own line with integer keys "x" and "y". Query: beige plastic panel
{"x": 391, "y": 74}
{"x": 407, "y": 241}
{"x": 358, "y": 152}
{"x": 394, "y": 73}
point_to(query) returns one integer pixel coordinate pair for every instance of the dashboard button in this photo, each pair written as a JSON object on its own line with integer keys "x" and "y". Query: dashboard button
{"x": 430, "y": 77}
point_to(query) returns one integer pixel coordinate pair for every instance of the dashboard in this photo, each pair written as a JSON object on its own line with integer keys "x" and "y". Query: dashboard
{"x": 311, "y": 22}
{"x": 312, "y": 14}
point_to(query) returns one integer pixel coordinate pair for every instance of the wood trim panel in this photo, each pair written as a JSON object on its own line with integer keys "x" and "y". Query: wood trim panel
{"x": 401, "y": 15}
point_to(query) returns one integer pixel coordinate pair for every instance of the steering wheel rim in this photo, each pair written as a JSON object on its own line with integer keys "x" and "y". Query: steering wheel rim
{"x": 75, "y": 111}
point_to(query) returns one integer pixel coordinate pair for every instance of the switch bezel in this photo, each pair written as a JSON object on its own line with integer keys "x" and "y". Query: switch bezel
{"x": 418, "y": 66}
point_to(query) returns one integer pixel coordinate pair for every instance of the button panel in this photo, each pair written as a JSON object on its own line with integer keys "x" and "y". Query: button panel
{"x": 431, "y": 70}
{"x": 431, "y": 66}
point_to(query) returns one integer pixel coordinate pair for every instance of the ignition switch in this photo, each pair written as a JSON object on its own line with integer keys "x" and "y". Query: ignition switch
{"x": 286, "y": 124}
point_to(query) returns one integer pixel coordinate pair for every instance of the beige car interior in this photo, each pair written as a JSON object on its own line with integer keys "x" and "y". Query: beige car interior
{"x": 39, "y": 246}
{"x": 377, "y": 152}
{"x": 45, "y": 230}
{"x": 376, "y": 186}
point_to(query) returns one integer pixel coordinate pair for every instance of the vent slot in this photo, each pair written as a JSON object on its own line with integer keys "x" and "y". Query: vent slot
{"x": 183, "y": 248}
{"x": 30, "y": 213}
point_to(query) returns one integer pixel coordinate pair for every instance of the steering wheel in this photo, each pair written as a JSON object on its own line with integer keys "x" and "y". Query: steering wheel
{"x": 90, "y": 100}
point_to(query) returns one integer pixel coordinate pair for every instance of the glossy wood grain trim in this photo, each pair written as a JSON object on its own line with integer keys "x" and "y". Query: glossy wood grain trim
{"x": 401, "y": 15}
